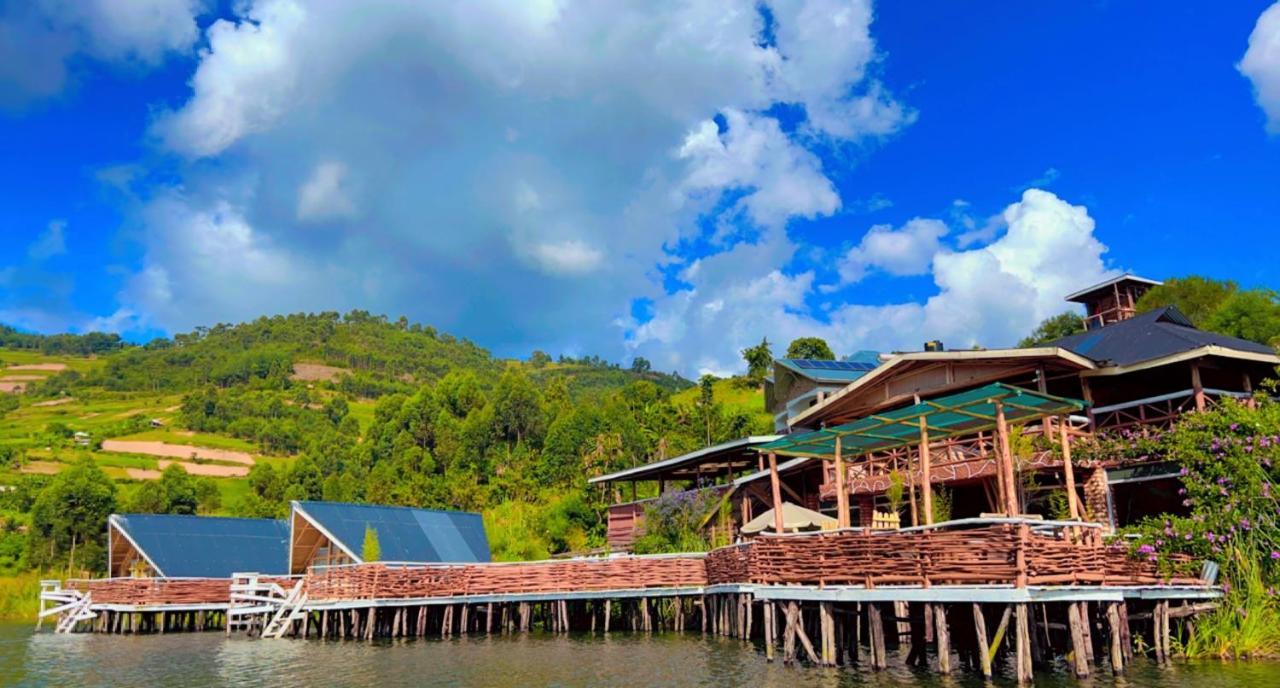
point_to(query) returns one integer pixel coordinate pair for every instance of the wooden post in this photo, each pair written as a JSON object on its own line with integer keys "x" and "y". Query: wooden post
{"x": 1068, "y": 472}
{"x": 1086, "y": 393}
{"x": 842, "y": 497}
{"x": 875, "y": 629}
{"x": 1080, "y": 655}
{"x": 824, "y": 628}
{"x": 768, "y": 631}
{"x": 1006, "y": 459}
{"x": 984, "y": 650}
{"x": 1196, "y": 386}
{"x": 1022, "y": 643}
{"x": 1117, "y": 637}
{"x": 1247, "y": 387}
{"x": 926, "y": 474}
{"x": 777, "y": 493}
{"x": 943, "y": 634}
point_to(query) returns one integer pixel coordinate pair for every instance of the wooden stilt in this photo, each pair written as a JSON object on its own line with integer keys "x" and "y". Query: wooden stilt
{"x": 1022, "y": 643}
{"x": 1079, "y": 655}
{"x": 768, "y": 631}
{"x": 984, "y": 650}
{"x": 943, "y": 635}
{"x": 875, "y": 631}
{"x": 1116, "y": 637}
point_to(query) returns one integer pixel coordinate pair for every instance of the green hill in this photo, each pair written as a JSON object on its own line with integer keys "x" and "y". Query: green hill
{"x": 240, "y": 419}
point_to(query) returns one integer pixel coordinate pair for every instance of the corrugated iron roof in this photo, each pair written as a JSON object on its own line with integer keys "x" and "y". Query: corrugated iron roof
{"x": 1148, "y": 336}
{"x": 207, "y": 546}
{"x": 404, "y": 533}
{"x": 718, "y": 452}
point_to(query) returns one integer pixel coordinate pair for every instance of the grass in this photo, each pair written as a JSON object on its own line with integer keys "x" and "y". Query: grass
{"x": 198, "y": 439}
{"x": 20, "y": 596}
{"x": 733, "y": 394}
{"x": 1246, "y": 623}
{"x": 80, "y": 364}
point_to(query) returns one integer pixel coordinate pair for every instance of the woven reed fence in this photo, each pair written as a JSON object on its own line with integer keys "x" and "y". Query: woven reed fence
{"x": 368, "y": 581}
{"x": 978, "y": 556}
{"x": 149, "y": 591}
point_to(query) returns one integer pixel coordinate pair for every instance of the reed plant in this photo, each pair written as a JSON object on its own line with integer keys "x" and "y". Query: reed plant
{"x": 20, "y": 596}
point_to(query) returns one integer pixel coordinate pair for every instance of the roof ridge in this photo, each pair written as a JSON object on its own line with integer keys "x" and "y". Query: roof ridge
{"x": 202, "y": 517}
{"x": 388, "y": 506}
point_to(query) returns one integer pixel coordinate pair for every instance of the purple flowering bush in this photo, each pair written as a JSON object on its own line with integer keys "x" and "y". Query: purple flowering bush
{"x": 1229, "y": 459}
{"x": 673, "y": 522}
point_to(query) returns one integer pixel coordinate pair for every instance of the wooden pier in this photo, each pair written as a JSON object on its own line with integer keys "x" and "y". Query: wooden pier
{"x": 988, "y": 595}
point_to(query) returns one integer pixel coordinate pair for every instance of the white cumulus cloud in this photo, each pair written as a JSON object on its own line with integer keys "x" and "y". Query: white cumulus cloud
{"x": 990, "y": 295}
{"x": 1261, "y": 64}
{"x": 907, "y": 250}
{"x": 503, "y": 147}
{"x": 325, "y": 196}
{"x": 38, "y": 39}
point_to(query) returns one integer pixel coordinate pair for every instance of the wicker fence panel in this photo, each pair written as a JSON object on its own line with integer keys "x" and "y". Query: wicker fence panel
{"x": 367, "y": 581}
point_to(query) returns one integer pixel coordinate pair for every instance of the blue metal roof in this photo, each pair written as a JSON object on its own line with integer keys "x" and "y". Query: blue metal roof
{"x": 207, "y": 546}
{"x": 404, "y": 533}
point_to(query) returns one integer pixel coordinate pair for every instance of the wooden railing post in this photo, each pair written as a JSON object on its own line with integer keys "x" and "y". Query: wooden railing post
{"x": 926, "y": 473}
{"x": 1006, "y": 459}
{"x": 842, "y": 496}
{"x": 777, "y": 493}
{"x": 1069, "y": 473}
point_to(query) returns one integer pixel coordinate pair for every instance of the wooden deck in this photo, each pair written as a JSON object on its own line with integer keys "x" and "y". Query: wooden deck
{"x": 858, "y": 588}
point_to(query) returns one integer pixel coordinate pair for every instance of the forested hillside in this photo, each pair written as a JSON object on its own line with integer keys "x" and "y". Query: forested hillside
{"x": 240, "y": 419}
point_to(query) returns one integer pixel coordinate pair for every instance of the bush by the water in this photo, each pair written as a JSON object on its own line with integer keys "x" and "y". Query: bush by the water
{"x": 1229, "y": 461}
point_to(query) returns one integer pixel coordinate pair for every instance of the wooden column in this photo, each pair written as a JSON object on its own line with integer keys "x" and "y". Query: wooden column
{"x": 1079, "y": 653}
{"x": 777, "y": 493}
{"x": 1022, "y": 643}
{"x": 1006, "y": 461}
{"x": 984, "y": 648}
{"x": 1247, "y": 388}
{"x": 1196, "y": 386}
{"x": 1042, "y": 386}
{"x": 1086, "y": 393}
{"x": 1116, "y": 637}
{"x": 926, "y": 473}
{"x": 1068, "y": 471}
{"x": 842, "y": 496}
{"x": 943, "y": 636}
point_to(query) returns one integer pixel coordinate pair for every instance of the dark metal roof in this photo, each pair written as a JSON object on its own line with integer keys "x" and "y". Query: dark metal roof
{"x": 1081, "y": 296}
{"x": 207, "y": 546}
{"x": 1148, "y": 336}
{"x": 734, "y": 454}
{"x": 404, "y": 533}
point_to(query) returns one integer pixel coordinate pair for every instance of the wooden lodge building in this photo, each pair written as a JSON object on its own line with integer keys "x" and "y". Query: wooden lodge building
{"x": 1134, "y": 371}
{"x": 993, "y": 584}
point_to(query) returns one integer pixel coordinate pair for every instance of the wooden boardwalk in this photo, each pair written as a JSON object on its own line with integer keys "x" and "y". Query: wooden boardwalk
{"x": 981, "y": 593}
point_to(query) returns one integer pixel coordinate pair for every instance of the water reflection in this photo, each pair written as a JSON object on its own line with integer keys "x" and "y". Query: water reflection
{"x": 535, "y": 660}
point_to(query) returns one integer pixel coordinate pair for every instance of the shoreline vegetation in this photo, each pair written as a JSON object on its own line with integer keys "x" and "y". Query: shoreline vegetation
{"x": 20, "y": 596}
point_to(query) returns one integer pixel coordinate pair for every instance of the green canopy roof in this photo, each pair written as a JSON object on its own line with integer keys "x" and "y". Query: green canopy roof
{"x": 958, "y": 414}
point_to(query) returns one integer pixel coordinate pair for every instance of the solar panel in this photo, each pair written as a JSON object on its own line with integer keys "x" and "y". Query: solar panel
{"x": 810, "y": 364}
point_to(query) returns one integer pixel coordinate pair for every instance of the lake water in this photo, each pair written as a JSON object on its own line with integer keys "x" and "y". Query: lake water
{"x": 212, "y": 659}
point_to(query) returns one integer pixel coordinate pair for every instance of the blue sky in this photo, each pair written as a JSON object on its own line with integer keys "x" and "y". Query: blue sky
{"x": 670, "y": 180}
